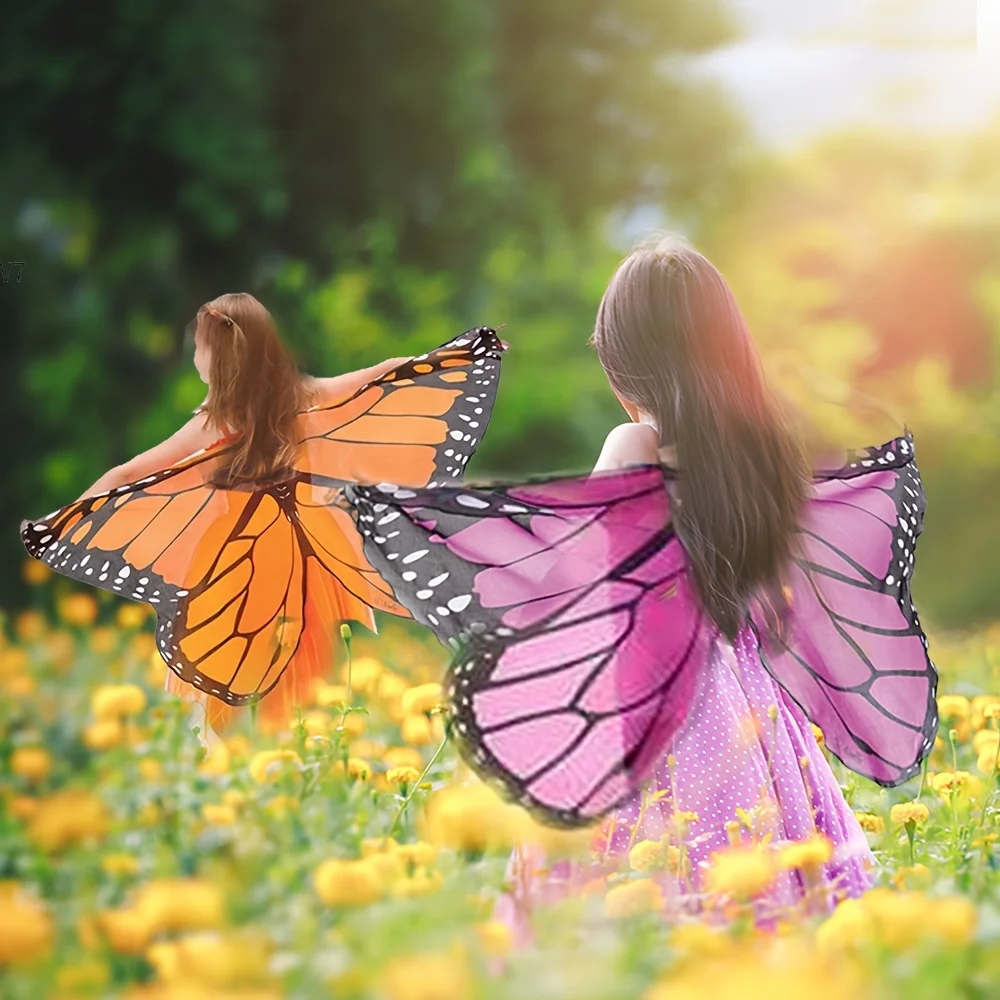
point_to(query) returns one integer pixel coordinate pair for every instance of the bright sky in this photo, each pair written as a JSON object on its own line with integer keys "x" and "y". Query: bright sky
{"x": 808, "y": 66}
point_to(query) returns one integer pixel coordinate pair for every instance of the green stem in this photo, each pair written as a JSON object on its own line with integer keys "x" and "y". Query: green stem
{"x": 417, "y": 783}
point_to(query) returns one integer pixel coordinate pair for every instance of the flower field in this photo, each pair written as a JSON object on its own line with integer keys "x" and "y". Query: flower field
{"x": 347, "y": 855}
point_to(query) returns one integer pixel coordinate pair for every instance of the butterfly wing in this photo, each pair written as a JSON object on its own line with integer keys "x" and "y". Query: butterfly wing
{"x": 848, "y": 645}
{"x": 578, "y": 633}
{"x": 413, "y": 426}
{"x": 247, "y": 582}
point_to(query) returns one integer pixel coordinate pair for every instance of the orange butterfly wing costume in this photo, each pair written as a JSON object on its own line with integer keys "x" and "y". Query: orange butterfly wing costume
{"x": 249, "y": 584}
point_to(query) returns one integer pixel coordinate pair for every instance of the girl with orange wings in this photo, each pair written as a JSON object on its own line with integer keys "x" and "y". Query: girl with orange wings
{"x": 233, "y": 529}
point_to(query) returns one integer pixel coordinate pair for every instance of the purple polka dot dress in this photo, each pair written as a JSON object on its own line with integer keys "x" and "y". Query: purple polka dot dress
{"x": 745, "y": 768}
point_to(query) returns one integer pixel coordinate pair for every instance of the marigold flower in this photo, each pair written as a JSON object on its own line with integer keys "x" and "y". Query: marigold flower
{"x": 471, "y": 818}
{"x": 359, "y": 769}
{"x": 954, "y": 919}
{"x": 900, "y": 919}
{"x": 423, "y": 698}
{"x": 26, "y": 929}
{"x": 269, "y": 765}
{"x": 35, "y": 572}
{"x": 647, "y": 855}
{"x": 180, "y": 904}
{"x": 330, "y": 695}
{"x": 403, "y": 757}
{"x": 216, "y": 814}
{"x": 103, "y": 640}
{"x": 120, "y": 864}
{"x": 341, "y": 882}
{"x": 912, "y": 877}
{"x": 66, "y": 818}
{"x": 78, "y": 609}
{"x": 105, "y": 734}
{"x": 953, "y": 707}
{"x": 131, "y": 616}
{"x": 214, "y": 961}
{"x": 420, "y": 882}
{"x": 126, "y": 930}
{"x": 87, "y": 976}
{"x": 416, "y": 730}
{"x": 849, "y": 925}
{"x": 234, "y": 797}
{"x": 427, "y": 977}
{"x": 13, "y": 661}
{"x": 697, "y": 939}
{"x": 419, "y": 853}
{"x": 365, "y": 674}
{"x": 633, "y": 897}
{"x": 818, "y": 733}
{"x": 282, "y": 805}
{"x": 31, "y": 763}
{"x": 909, "y": 812}
{"x": 958, "y": 785}
{"x": 808, "y": 855}
{"x": 743, "y": 872}
{"x": 496, "y": 939}
{"x": 150, "y": 769}
{"x": 992, "y": 711}
{"x": 986, "y": 741}
{"x": 402, "y": 775}
{"x": 871, "y": 823}
{"x": 23, "y": 807}
{"x": 29, "y": 626}
{"x": 217, "y": 761}
{"x": 112, "y": 701}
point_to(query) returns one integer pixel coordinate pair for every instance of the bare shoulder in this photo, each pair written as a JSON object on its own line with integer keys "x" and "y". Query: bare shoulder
{"x": 629, "y": 444}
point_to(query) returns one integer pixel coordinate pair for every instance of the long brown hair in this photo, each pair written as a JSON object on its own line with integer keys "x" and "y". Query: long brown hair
{"x": 255, "y": 389}
{"x": 673, "y": 341}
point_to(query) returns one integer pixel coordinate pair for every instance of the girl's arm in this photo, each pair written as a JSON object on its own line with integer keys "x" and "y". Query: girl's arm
{"x": 192, "y": 437}
{"x": 339, "y": 387}
{"x": 629, "y": 444}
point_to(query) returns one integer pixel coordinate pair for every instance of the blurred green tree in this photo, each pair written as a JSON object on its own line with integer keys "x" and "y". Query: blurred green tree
{"x": 372, "y": 170}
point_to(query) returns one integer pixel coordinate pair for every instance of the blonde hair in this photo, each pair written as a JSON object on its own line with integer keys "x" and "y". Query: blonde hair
{"x": 255, "y": 389}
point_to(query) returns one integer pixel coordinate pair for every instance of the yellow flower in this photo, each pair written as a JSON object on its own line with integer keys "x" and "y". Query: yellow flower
{"x": 234, "y": 797}
{"x": 416, "y": 730}
{"x": 741, "y": 871}
{"x": 808, "y": 855}
{"x": 217, "y": 760}
{"x": 29, "y": 626}
{"x": 427, "y": 977}
{"x": 953, "y": 707}
{"x": 647, "y": 855}
{"x": 190, "y": 904}
{"x": 633, "y": 897}
{"x": 697, "y": 939}
{"x": 471, "y": 818}
{"x": 871, "y": 823}
{"x": 126, "y": 930}
{"x": 60, "y": 650}
{"x": 955, "y": 919}
{"x": 986, "y": 740}
{"x": 282, "y": 805}
{"x": 150, "y": 770}
{"x": 389, "y": 865}
{"x": 120, "y": 864}
{"x": 900, "y": 919}
{"x": 912, "y": 877}
{"x": 131, "y": 616}
{"x": 365, "y": 673}
{"x": 13, "y": 661}
{"x": 495, "y": 938}
{"x": 199, "y": 961}
{"x": 420, "y": 882}
{"x": 348, "y": 883}
{"x": 269, "y": 765}
{"x": 818, "y": 733}
{"x": 87, "y": 976}
{"x": 103, "y": 640}
{"x": 849, "y": 925}
{"x": 403, "y": 757}
{"x": 958, "y": 785}
{"x": 23, "y": 807}
{"x": 330, "y": 695}
{"x": 78, "y": 609}
{"x": 909, "y": 812}
{"x": 402, "y": 775}
{"x": 31, "y": 763}
{"x": 423, "y": 698}
{"x": 992, "y": 711}
{"x": 35, "y": 572}
{"x": 359, "y": 769}
{"x": 104, "y": 734}
{"x": 66, "y": 818}
{"x": 112, "y": 701}
{"x": 26, "y": 929}
{"x": 418, "y": 854}
{"x": 218, "y": 815}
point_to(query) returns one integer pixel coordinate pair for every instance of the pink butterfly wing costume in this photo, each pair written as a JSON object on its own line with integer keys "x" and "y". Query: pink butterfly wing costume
{"x": 585, "y": 664}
